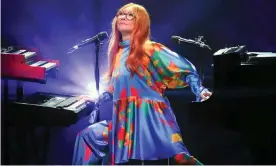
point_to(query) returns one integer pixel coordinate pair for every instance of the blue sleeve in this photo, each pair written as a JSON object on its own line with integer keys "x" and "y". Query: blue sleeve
{"x": 176, "y": 71}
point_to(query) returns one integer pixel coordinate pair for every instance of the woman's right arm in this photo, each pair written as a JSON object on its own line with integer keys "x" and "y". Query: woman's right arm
{"x": 107, "y": 94}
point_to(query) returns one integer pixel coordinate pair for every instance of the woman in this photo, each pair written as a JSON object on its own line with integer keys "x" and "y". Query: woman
{"x": 143, "y": 125}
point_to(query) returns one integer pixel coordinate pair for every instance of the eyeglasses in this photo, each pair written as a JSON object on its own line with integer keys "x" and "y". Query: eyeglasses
{"x": 129, "y": 16}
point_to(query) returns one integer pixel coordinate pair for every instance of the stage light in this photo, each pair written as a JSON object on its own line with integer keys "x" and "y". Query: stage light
{"x": 92, "y": 91}
{"x": 81, "y": 81}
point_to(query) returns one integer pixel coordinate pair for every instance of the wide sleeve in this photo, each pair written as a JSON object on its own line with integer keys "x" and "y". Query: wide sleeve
{"x": 174, "y": 70}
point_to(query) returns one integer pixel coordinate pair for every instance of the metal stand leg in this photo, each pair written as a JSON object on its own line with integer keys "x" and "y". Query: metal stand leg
{"x": 46, "y": 143}
{"x": 4, "y": 122}
{"x": 201, "y": 74}
{"x": 22, "y": 148}
{"x": 5, "y": 139}
{"x": 19, "y": 91}
{"x": 6, "y": 91}
{"x": 97, "y": 68}
{"x": 22, "y": 131}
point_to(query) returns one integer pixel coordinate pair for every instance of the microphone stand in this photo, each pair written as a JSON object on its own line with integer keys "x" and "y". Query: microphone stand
{"x": 200, "y": 61}
{"x": 200, "y": 58}
{"x": 97, "y": 68}
{"x": 96, "y": 113}
{"x": 98, "y": 42}
{"x": 199, "y": 52}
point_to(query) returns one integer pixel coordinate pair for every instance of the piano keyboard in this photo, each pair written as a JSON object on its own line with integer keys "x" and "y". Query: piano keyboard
{"x": 18, "y": 52}
{"x": 39, "y": 63}
{"x": 53, "y": 109}
{"x": 22, "y": 65}
{"x": 77, "y": 105}
{"x": 49, "y": 65}
{"x": 27, "y": 54}
{"x": 54, "y": 101}
{"x": 72, "y": 103}
{"x": 45, "y": 64}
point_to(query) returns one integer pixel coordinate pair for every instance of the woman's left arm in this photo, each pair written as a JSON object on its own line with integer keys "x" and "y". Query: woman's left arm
{"x": 177, "y": 72}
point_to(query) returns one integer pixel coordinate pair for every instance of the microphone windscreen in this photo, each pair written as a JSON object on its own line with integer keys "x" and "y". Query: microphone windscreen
{"x": 103, "y": 35}
{"x": 175, "y": 37}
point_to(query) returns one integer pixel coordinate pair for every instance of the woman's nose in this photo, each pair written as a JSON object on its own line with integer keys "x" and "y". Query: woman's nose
{"x": 123, "y": 18}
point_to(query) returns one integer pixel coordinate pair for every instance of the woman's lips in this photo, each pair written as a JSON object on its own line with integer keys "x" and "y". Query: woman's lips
{"x": 122, "y": 23}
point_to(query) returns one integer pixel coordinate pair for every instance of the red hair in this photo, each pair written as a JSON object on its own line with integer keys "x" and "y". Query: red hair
{"x": 139, "y": 36}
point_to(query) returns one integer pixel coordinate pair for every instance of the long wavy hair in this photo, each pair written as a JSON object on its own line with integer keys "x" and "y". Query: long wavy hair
{"x": 139, "y": 36}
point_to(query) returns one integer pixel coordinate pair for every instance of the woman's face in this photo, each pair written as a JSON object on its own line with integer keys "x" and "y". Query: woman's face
{"x": 125, "y": 20}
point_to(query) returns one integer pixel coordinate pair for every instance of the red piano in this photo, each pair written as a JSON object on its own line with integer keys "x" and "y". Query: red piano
{"x": 25, "y": 65}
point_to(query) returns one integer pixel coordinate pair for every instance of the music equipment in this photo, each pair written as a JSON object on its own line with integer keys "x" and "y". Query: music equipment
{"x": 197, "y": 41}
{"x": 21, "y": 64}
{"x": 25, "y": 65}
{"x": 99, "y": 37}
{"x": 50, "y": 109}
{"x": 248, "y": 58}
{"x": 243, "y": 99}
{"x": 36, "y": 117}
{"x": 235, "y": 67}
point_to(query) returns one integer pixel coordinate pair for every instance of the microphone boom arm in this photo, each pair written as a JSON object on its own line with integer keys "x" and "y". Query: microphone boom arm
{"x": 197, "y": 42}
{"x": 95, "y": 39}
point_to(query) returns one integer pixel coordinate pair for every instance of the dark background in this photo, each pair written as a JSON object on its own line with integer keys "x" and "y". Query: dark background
{"x": 55, "y": 26}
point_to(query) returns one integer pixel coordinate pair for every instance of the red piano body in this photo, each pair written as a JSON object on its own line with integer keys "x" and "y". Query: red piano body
{"x": 26, "y": 65}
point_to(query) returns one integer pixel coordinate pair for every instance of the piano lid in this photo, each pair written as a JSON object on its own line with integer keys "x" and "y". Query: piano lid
{"x": 231, "y": 50}
{"x": 262, "y": 54}
{"x": 266, "y": 58}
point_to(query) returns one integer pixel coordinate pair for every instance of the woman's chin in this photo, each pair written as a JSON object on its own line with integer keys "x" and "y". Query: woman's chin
{"x": 124, "y": 30}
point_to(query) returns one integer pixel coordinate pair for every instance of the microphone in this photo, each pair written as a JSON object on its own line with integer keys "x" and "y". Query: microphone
{"x": 99, "y": 37}
{"x": 196, "y": 42}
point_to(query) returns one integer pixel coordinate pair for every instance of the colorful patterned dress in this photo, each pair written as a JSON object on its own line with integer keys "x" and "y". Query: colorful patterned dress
{"x": 143, "y": 124}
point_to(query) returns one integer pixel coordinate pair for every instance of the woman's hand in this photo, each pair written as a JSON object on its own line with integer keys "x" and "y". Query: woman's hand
{"x": 88, "y": 98}
{"x": 205, "y": 94}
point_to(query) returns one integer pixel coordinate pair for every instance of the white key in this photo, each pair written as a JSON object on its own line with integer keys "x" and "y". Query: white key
{"x": 29, "y": 54}
{"x": 49, "y": 65}
{"x": 60, "y": 98}
{"x": 38, "y": 63}
{"x": 77, "y": 104}
{"x": 19, "y": 52}
{"x": 16, "y": 52}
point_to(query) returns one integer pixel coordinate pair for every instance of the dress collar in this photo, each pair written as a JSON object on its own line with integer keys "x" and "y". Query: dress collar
{"x": 125, "y": 43}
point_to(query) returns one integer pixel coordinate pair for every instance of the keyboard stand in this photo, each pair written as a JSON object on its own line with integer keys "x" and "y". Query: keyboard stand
{"x": 6, "y": 91}
{"x": 5, "y": 139}
{"x": 24, "y": 131}
{"x": 19, "y": 90}
{"x": 19, "y": 96}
